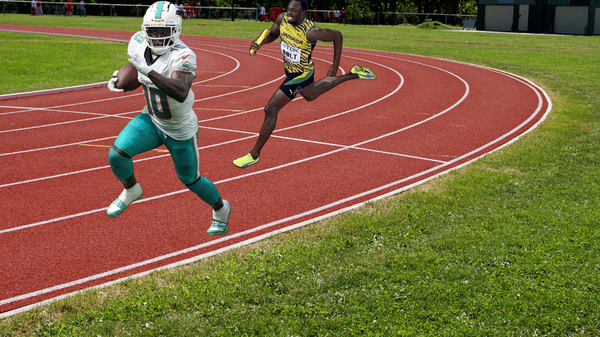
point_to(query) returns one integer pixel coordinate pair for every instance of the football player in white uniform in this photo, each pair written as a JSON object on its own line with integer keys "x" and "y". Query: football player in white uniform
{"x": 166, "y": 68}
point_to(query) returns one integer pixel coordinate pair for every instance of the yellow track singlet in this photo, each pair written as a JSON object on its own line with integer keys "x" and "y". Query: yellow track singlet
{"x": 295, "y": 47}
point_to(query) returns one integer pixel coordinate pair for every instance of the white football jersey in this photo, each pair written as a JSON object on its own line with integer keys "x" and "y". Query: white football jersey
{"x": 177, "y": 120}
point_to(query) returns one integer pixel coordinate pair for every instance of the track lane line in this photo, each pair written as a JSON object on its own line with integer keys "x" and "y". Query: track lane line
{"x": 155, "y": 157}
{"x": 65, "y": 123}
{"x": 524, "y": 123}
{"x": 356, "y": 146}
{"x": 277, "y": 222}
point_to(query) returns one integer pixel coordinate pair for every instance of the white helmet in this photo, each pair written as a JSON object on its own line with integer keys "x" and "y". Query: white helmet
{"x": 161, "y": 26}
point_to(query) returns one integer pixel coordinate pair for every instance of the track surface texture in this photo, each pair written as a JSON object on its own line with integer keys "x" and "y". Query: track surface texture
{"x": 361, "y": 141}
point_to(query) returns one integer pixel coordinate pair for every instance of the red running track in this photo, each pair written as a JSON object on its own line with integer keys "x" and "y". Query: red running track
{"x": 361, "y": 141}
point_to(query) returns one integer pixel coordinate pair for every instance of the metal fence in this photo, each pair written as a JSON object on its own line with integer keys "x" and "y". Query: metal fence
{"x": 389, "y": 18}
{"x": 105, "y": 9}
{"x": 238, "y": 13}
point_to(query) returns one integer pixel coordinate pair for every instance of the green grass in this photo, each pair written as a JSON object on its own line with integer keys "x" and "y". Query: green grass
{"x": 55, "y": 62}
{"x": 507, "y": 246}
{"x": 430, "y": 24}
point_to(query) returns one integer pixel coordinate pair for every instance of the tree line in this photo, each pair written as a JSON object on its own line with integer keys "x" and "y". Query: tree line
{"x": 404, "y": 6}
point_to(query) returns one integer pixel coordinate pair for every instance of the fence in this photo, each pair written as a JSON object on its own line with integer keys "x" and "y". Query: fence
{"x": 238, "y": 13}
{"x": 105, "y": 9}
{"x": 389, "y": 18}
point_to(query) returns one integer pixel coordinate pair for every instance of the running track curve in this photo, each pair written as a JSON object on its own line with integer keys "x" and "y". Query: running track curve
{"x": 361, "y": 141}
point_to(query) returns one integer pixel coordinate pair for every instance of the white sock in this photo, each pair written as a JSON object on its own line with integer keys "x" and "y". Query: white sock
{"x": 130, "y": 195}
{"x": 222, "y": 215}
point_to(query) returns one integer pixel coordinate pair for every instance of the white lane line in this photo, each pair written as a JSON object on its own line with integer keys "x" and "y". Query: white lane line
{"x": 90, "y": 278}
{"x": 128, "y": 95}
{"x": 61, "y": 123}
{"x": 219, "y": 182}
{"x": 32, "y": 109}
{"x": 307, "y": 213}
{"x": 104, "y": 100}
{"x": 346, "y": 147}
{"x": 102, "y": 167}
{"x": 336, "y": 115}
{"x": 28, "y": 109}
{"x": 57, "y": 146}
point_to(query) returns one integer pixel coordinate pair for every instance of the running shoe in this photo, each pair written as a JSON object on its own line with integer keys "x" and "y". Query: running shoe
{"x": 364, "y": 73}
{"x": 220, "y": 220}
{"x": 127, "y": 197}
{"x": 245, "y": 161}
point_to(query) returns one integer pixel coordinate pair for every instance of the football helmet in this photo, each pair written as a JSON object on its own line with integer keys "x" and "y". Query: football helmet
{"x": 161, "y": 26}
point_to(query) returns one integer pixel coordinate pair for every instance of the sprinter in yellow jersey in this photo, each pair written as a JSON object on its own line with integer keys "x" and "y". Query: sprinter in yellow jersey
{"x": 299, "y": 36}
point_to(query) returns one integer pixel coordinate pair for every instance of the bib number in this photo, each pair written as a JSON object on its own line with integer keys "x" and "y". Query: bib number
{"x": 290, "y": 53}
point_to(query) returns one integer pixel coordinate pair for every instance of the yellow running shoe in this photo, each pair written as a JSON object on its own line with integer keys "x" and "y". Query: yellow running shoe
{"x": 245, "y": 161}
{"x": 364, "y": 73}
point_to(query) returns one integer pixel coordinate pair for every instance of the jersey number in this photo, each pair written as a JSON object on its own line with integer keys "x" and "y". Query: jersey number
{"x": 157, "y": 103}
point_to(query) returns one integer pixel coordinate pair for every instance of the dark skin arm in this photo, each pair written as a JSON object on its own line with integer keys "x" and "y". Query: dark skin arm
{"x": 177, "y": 86}
{"x": 329, "y": 35}
{"x": 273, "y": 34}
{"x": 315, "y": 34}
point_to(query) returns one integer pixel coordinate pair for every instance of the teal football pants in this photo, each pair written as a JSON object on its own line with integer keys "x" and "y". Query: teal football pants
{"x": 141, "y": 135}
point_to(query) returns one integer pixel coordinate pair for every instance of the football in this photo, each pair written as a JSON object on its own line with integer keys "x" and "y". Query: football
{"x": 127, "y": 78}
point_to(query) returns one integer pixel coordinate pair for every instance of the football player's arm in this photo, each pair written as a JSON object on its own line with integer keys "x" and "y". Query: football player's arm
{"x": 329, "y": 35}
{"x": 177, "y": 86}
{"x": 273, "y": 34}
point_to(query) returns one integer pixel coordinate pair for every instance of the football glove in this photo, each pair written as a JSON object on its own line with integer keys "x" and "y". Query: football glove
{"x": 112, "y": 83}
{"x": 140, "y": 64}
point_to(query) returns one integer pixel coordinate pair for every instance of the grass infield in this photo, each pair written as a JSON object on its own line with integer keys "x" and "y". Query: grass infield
{"x": 506, "y": 246}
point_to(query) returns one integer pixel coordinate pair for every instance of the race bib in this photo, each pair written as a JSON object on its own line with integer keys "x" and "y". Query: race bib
{"x": 290, "y": 53}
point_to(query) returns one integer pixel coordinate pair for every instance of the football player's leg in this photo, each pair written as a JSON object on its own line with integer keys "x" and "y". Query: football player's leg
{"x": 138, "y": 136}
{"x": 185, "y": 157}
{"x": 122, "y": 166}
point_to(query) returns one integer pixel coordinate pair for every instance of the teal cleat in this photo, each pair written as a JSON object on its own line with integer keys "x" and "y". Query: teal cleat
{"x": 217, "y": 228}
{"x": 127, "y": 197}
{"x": 220, "y": 220}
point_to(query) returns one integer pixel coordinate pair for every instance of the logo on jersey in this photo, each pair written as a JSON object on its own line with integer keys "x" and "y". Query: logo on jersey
{"x": 292, "y": 38}
{"x": 186, "y": 66}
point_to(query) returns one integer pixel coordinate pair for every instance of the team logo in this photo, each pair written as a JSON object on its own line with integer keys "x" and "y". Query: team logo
{"x": 186, "y": 66}
{"x": 295, "y": 92}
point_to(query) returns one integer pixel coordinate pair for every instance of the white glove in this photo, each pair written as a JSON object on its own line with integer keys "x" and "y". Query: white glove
{"x": 112, "y": 83}
{"x": 140, "y": 64}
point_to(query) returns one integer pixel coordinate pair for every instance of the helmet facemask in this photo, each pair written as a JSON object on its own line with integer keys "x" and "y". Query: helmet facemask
{"x": 161, "y": 26}
{"x": 159, "y": 39}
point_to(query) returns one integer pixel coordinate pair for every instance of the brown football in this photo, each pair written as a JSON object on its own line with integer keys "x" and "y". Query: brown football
{"x": 127, "y": 78}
